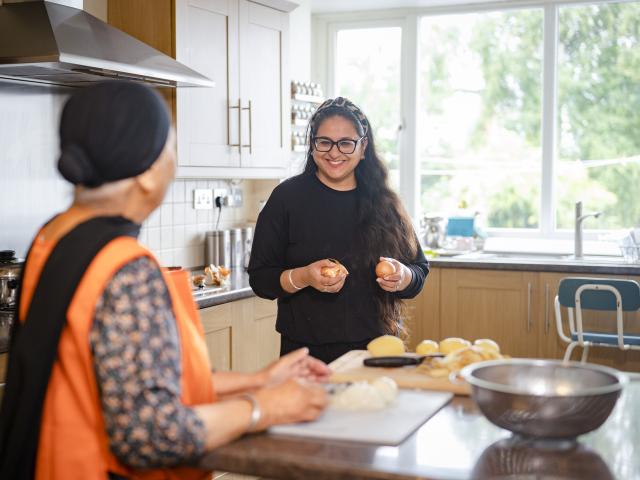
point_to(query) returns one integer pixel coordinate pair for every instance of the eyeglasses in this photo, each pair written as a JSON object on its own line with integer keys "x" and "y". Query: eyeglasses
{"x": 346, "y": 145}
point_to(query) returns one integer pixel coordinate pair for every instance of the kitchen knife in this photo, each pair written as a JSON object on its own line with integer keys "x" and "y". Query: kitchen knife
{"x": 397, "y": 361}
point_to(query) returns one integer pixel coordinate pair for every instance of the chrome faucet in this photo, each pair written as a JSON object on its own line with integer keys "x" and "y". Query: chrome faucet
{"x": 577, "y": 244}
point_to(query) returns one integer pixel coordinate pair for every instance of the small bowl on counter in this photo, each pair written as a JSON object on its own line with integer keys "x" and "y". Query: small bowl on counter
{"x": 548, "y": 399}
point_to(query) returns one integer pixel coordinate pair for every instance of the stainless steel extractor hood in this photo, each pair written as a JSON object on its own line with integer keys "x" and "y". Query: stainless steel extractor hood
{"x": 48, "y": 43}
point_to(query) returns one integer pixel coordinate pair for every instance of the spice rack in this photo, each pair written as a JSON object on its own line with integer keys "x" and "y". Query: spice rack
{"x": 305, "y": 98}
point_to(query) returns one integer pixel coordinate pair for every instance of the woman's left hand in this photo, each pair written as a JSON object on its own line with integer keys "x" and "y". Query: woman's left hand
{"x": 398, "y": 281}
{"x": 297, "y": 364}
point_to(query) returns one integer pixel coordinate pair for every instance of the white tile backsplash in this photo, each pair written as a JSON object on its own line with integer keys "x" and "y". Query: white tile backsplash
{"x": 176, "y": 231}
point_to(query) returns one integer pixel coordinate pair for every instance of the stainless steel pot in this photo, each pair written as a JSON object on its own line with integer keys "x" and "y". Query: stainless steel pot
{"x": 10, "y": 271}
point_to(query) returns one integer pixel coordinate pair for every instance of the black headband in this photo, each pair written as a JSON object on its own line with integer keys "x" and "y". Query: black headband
{"x": 111, "y": 131}
{"x": 343, "y": 104}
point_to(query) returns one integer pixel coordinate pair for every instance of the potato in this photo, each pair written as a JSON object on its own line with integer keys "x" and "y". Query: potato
{"x": 427, "y": 347}
{"x": 487, "y": 344}
{"x": 452, "y": 344}
{"x": 385, "y": 346}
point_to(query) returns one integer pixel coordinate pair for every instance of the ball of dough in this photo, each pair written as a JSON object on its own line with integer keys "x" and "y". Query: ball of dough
{"x": 452, "y": 344}
{"x": 427, "y": 347}
{"x": 386, "y": 387}
{"x": 359, "y": 396}
{"x": 364, "y": 396}
{"x": 487, "y": 344}
{"x": 385, "y": 346}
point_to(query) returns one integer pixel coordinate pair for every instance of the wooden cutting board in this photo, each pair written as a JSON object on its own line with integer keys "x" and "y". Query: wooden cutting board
{"x": 349, "y": 368}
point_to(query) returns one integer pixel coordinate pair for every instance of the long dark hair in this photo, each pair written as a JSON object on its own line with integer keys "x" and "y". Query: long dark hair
{"x": 383, "y": 226}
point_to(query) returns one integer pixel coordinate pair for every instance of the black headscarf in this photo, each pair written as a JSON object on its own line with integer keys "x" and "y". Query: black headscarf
{"x": 111, "y": 131}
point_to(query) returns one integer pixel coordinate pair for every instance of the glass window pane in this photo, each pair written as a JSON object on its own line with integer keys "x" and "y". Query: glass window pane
{"x": 599, "y": 114}
{"x": 368, "y": 73}
{"x": 480, "y": 80}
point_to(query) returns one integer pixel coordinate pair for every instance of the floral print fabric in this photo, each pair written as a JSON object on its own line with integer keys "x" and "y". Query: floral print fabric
{"x": 136, "y": 354}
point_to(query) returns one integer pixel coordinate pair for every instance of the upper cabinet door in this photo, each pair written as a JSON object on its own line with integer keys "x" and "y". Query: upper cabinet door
{"x": 264, "y": 85}
{"x": 207, "y": 124}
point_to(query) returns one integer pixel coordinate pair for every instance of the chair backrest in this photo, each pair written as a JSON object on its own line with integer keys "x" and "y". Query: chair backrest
{"x": 599, "y": 299}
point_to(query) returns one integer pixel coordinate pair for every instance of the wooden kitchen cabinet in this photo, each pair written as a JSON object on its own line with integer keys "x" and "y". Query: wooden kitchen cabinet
{"x": 515, "y": 308}
{"x": 240, "y": 127}
{"x": 423, "y": 312}
{"x": 241, "y": 335}
{"x": 500, "y": 305}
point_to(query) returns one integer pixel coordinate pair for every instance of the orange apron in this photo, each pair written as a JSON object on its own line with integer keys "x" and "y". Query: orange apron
{"x": 73, "y": 441}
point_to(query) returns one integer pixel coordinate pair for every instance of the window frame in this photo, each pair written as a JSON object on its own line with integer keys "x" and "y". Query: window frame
{"x": 326, "y": 28}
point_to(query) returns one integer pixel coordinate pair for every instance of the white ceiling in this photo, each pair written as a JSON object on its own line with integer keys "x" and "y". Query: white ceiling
{"x": 327, "y": 6}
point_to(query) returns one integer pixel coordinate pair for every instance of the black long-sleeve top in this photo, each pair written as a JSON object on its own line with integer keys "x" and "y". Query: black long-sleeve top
{"x": 305, "y": 221}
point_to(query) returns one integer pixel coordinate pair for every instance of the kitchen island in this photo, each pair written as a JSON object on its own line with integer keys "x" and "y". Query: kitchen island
{"x": 456, "y": 443}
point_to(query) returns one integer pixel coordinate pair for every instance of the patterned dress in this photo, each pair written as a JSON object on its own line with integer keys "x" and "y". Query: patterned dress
{"x": 136, "y": 354}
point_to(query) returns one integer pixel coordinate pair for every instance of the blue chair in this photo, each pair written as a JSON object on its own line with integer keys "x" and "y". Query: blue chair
{"x": 603, "y": 294}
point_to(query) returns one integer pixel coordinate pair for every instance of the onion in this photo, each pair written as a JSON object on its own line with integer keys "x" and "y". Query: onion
{"x": 385, "y": 268}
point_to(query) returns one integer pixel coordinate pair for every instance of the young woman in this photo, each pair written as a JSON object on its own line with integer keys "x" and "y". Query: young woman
{"x": 339, "y": 208}
{"x": 108, "y": 374}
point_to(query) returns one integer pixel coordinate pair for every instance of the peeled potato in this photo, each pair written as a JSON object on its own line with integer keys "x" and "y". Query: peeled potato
{"x": 452, "y": 344}
{"x": 386, "y": 345}
{"x": 487, "y": 344}
{"x": 427, "y": 347}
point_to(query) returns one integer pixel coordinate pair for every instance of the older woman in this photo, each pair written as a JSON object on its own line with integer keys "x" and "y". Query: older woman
{"x": 108, "y": 374}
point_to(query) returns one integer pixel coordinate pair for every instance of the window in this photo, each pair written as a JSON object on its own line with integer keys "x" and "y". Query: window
{"x": 521, "y": 110}
{"x": 367, "y": 72}
{"x": 479, "y": 137}
{"x": 599, "y": 113}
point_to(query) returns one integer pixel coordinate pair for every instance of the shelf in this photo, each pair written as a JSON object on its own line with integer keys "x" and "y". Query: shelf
{"x": 300, "y": 123}
{"x": 307, "y": 98}
{"x": 299, "y": 148}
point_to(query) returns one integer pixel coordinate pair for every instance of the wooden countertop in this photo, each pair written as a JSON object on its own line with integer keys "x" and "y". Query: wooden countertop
{"x": 457, "y": 443}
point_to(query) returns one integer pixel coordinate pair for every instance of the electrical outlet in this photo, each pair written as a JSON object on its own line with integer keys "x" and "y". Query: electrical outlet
{"x": 202, "y": 199}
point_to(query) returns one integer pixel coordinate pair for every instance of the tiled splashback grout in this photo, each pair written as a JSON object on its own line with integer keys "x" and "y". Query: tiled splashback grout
{"x": 175, "y": 232}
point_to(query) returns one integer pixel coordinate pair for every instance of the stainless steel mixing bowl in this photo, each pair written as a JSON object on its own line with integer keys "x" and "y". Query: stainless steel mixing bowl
{"x": 544, "y": 398}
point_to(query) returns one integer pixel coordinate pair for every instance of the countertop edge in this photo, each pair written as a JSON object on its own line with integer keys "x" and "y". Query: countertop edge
{"x": 225, "y": 297}
{"x": 535, "y": 266}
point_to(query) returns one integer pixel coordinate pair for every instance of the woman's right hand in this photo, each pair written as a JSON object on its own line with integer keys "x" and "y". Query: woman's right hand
{"x": 315, "y": 279}
{"x": 290, "y": 402}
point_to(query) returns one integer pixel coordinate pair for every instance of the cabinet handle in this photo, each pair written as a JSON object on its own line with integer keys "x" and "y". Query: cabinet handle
{"x": 229, "y": 108}
{"x": 250, "y": 144}
{"x": 529, "y": 307}
{"x": 546, "y": 308}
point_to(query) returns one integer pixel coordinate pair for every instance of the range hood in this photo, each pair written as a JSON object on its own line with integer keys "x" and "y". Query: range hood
{"x": 48, "y": 43}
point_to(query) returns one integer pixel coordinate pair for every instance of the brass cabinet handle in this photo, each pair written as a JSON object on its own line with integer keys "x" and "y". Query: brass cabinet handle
{"x": 529, "y": 307}
{"x": 250, "y": 144}
{"x": 546, "y": 308}
{"x": 229, "y": 108}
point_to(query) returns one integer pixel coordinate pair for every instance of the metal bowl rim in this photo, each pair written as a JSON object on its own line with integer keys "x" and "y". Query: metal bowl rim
{"x": 468, "y": 371}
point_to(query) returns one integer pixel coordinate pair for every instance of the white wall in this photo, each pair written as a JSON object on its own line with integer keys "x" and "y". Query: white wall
{"x": 31, "y": 190}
